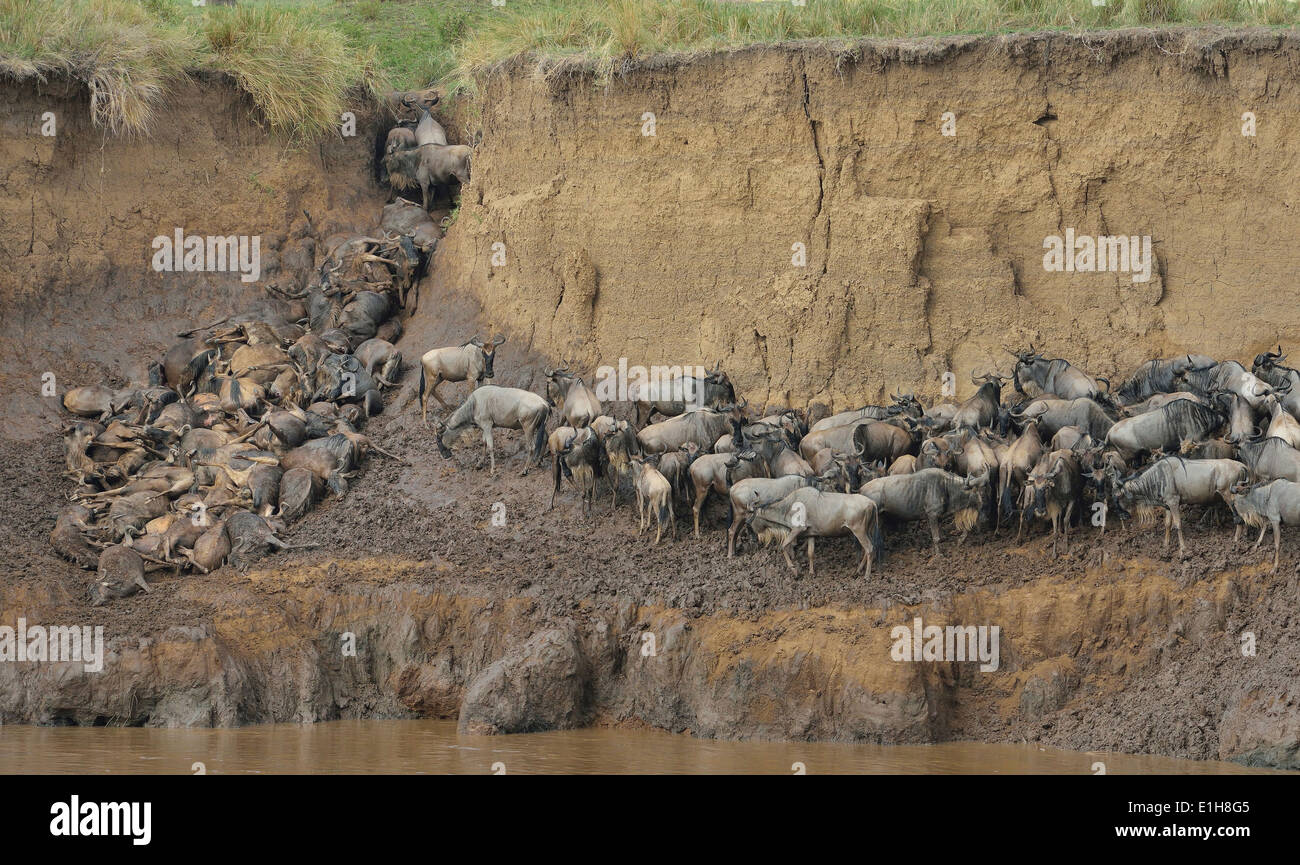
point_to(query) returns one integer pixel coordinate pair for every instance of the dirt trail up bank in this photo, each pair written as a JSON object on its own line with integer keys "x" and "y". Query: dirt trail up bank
{"x": 923, "y": 256}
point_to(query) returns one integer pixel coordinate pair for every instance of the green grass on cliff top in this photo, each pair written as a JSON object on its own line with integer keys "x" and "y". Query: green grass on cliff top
{"x": 301, "y": 60}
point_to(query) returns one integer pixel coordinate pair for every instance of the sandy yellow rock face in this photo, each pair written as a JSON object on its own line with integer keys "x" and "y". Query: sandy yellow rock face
{"x": 924, "y": 252}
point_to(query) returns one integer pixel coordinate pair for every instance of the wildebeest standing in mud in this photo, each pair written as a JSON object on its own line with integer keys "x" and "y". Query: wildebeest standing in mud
{"x": 490, "y": 406}
{"x": 472, "y": 362}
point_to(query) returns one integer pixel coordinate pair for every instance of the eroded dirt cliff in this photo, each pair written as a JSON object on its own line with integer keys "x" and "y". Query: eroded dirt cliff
{"x": 924, "y": 251}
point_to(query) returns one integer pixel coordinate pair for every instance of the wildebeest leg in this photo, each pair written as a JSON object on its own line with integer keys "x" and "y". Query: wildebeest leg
{"x": 1177, "y": 516}
{"x": 1277, "y": 543}
{"x": 1069, "y": 512}
{"x": 789, "y": 543}
{"x": 1168, "y": 522}
{"x": 812, "y": 571}
{"x": 864, "y": 566}
{"x": 433, "y": 391}
{"x": 555, "y": 476}
{"x": 1259, "y": 540}
{"x": 487, "y": 445}
{"x": 934, "y": 532}
{"x": 640, "y": 512}
{"x": 731, "y": 535}
{"x": 700, "y": 499}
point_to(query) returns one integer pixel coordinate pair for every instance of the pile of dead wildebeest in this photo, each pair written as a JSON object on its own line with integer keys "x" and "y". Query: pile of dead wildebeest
{"x": 1181, "y": 431}
{"x": 245, "y": 423}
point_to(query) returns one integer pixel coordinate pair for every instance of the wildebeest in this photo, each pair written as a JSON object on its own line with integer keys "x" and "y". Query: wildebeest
{"x": 429, "y": 166}
{"x": 1270, "y": 459}
{"x": 932, "y": 495}
{"x": 1015, "y": 466}
{"x": 654, "y": 498}
{"x": 1156, "y": 377}
{"x": 581, "y": 454}
{"x": 1175, "y": 481}
{"x": 1164, "y": 429}
{"x": 981, "y": 409}
{"x": 576, "y": 402}
{"x": 1053, "y": 415}
{"x": 703, "y": 426}
{"x": 490, "y": 406}
{"x": 1055, "y": 376}
{"x": 1052, "y": 491}
{"x": 470, "y": 362}
{"x": 120, "y": 574}
{"x": 1275, "y": 504}
{"x": 680, "y": 393}
{"x": 811, "y": 512}
{"x": 1224, "y": 376}
{"x": 747, "y": 494}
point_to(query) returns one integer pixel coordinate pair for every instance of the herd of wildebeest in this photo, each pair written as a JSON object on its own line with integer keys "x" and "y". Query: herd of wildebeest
{"x": 247, "y": 422}
{"x": 1187, "y": 430}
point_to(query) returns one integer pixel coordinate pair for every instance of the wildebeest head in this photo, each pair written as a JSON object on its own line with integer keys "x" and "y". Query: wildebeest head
{"x": 1268, "y": 359}
{"x": 717, "y": 387}
{"x": 1042, "y": 485}
{"x": 558, "y": 381}
{"x": 489, "y": 354}
{"x": 440, "y": 436}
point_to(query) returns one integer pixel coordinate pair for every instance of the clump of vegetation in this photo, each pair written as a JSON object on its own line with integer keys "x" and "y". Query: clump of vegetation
{"x": 302, "y": 60}
{"x": 125, "y": 53}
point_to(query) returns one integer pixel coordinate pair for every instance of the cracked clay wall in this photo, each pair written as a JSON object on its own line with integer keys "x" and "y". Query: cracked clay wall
{"x": 924, "y": 251}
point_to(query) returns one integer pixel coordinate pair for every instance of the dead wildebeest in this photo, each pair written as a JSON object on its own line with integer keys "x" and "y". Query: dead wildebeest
{"x": 252, "y": 537}
{"x": 120, "y": 575}
{"x": 68, "y": 539}
{"x": 813, "y": 513}
{"x": 490, "y": 406}
{"x": 299, "y": 490}
{"x": 381, "y": 355}
{"x": 470, "y": 362}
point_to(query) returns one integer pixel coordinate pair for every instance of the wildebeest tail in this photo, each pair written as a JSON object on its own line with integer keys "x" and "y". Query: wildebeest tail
{"x": 421, "y": 384}
{"x": 665, "y": 511}
{"x": 539, "y": 435}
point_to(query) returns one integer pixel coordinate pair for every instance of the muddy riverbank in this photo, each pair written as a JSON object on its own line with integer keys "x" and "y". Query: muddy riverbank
{"x": 420, "y": 605}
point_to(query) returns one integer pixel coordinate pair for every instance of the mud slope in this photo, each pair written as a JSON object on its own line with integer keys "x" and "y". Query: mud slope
{"x": 79, "y": 211}
{"x": 924, "y": 251}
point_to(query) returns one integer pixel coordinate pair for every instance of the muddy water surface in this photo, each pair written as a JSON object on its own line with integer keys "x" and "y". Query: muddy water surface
{"x": 434, "y": 747}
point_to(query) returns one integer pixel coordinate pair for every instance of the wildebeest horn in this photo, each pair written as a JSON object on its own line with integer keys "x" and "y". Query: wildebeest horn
{"x": 499, "y": 340}
{"x": 474, "y": 340}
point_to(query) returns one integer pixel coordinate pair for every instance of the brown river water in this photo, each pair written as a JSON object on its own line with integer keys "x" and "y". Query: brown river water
{"x": 434, "y": 747}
